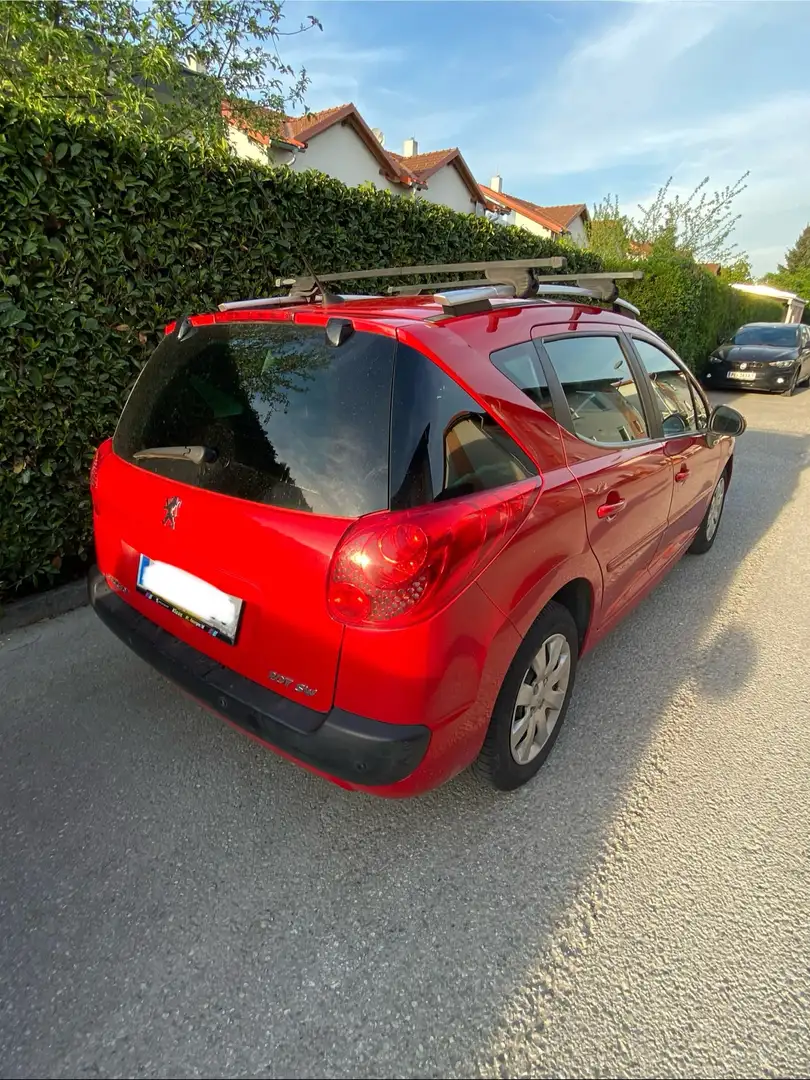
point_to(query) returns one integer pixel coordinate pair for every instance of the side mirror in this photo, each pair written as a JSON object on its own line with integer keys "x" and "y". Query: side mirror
{"x": 726, "y": 421}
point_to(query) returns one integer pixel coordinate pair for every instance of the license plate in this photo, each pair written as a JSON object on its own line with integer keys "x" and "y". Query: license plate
{"x": 746, "y": 376}
{"x": 216, "y": 612}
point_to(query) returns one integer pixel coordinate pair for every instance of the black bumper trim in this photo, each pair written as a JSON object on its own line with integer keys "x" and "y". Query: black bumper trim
{"x": 340, "y": 743}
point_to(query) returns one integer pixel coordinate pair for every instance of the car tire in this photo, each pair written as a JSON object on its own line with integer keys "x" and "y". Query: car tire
{"x": 520, "y": 735}
{"x": 791, "y": 389}
{"x": 707, "y": 533}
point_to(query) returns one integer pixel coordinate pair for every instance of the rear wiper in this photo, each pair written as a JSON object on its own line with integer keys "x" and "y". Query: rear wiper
{"x": 197, "y": 454}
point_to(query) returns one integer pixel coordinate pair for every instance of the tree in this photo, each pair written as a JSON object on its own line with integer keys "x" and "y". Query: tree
{"x": 794, "y": 274}
{"x": 699, "y": 225}
{"x": 166, "y": 67}
{"x": 739, "y": 271}
{"x": 798, "y": 258}
{"x": 797, "y": 281}
{"x": 609, "y": 231}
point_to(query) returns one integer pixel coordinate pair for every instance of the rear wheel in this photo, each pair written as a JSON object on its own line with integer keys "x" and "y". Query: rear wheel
{"x": 533, "y": 701}
{"x": 707, "y": 533}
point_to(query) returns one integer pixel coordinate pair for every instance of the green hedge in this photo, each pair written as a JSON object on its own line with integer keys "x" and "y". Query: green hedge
{"x": 103, "y": 241}
{"x": 691, "y": 309}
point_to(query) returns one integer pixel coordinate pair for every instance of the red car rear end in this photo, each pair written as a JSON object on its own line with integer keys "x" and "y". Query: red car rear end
{"x": 336, "y": 525}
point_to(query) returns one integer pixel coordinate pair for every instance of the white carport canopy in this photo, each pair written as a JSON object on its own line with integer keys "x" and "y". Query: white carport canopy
{"x": 795, "y": 304}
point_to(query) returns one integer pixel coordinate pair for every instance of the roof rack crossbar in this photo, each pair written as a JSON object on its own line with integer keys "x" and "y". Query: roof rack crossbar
{"x": 508, "y": 279}
{"x": 556, "y": 262}
{"x": 436, "y": 286}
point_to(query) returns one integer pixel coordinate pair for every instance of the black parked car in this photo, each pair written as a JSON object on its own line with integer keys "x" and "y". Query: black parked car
{"x": 762, "y": 356}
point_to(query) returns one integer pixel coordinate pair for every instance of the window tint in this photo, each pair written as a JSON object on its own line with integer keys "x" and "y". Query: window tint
{"x": 288, "y": 420}
{"x": 519, "y": 363}
{"x": 599, "y": 387}
{"x": 443, "y": 444}
{"x": 671, "y": 388}
{"x": 778, "y": 335}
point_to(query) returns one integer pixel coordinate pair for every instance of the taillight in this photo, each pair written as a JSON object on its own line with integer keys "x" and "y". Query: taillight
{"x": 104, "y": 449}
{"x": 395, "y": 568}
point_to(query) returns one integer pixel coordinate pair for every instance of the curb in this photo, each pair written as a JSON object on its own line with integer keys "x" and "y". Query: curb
{"x": 47, "y": 605}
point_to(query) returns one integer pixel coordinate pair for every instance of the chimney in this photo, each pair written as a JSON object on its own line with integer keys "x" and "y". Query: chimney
{"x": 496, "y": 183}
{"x": 411, "y": 148}
{"x": 378, "y": 135}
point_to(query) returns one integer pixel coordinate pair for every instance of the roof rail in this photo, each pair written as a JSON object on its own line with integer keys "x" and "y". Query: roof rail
{"x": 464, "y": 298}
{"x": 619, "y": 305}
{"x": 268, "y": 301}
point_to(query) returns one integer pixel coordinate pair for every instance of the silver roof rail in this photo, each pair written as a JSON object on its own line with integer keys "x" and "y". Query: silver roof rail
{"x": 466, "y": 301}
{"x": 268, "y": 301}
{"x": 593, "y": 294}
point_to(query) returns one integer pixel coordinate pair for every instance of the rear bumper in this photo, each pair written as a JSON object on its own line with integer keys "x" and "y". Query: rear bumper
{"x": 366, "y": 753}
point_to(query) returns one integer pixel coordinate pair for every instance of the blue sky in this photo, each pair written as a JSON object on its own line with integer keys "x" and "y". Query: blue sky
{"x": 570, "y": 101}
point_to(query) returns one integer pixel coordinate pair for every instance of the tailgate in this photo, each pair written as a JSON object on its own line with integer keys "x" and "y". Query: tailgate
{"x": 287, "y": 440}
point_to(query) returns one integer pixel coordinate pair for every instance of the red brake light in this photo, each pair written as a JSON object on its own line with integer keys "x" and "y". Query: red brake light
{"x": 395, "y": 568}
{"x": 103, "y": 450}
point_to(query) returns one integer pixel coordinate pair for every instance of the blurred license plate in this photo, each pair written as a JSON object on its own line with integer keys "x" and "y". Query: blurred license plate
{"x": 746, "y": 376}
{"x": 191, "y": 598}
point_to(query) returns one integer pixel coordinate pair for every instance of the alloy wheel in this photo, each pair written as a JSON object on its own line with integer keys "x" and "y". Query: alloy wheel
{"x": 540, "y": 699}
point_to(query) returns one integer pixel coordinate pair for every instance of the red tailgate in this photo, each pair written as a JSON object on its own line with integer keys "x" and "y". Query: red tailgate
{"x": 276, "y": 561}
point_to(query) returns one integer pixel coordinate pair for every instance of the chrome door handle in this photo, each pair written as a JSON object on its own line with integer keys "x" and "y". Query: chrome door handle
{"x": 608, "y": 509}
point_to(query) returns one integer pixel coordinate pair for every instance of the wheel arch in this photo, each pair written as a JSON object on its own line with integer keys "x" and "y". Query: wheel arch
{"x": 577, "y": 597}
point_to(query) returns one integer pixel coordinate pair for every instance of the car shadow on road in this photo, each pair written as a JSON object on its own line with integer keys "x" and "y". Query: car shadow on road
{"x": 309, "y": 931}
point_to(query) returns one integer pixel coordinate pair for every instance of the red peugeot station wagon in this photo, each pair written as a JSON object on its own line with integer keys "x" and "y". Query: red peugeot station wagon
{"x": 378, "y": 533}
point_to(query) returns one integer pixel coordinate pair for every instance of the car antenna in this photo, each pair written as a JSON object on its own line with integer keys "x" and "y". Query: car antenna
{"x": 326, "y": 297}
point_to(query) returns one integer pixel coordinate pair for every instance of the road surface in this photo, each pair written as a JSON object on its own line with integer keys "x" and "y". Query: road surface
{"x": 176, "y": 901}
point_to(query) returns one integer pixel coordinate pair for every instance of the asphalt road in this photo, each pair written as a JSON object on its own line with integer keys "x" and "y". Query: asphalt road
{"x": 177, "y": 902}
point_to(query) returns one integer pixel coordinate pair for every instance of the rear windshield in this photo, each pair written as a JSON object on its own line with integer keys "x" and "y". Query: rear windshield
{"x": 779, "y": 335}
{"x": 284, "y": 418}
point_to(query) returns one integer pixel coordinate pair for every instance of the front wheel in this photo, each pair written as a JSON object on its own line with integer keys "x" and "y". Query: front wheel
{"x": 707, "y": 533}
{"x": 532, "y": 702}
{"x": 791, "y": 388}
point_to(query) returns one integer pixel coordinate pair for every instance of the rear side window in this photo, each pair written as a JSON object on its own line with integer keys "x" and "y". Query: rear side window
{"x": 520, "y": 364}
{"x": 286, "y": 419}
{"x": 599, "y": 388}
{"x": 443, "y": 444}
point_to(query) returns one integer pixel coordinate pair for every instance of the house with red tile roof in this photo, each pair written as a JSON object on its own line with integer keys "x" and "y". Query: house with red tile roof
{"x": 553, "y": 221}
{"x": 339, "y": 142}
{"x": 446, "y": 177}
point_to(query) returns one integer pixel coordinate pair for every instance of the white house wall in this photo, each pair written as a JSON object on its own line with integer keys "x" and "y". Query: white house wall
{"x": 246, "y": 148}
{"x": 577, "y": 231}
{"x": 530, "y": 226}
{"x": 339, "y": 152}
{"x": 446, "y": 188}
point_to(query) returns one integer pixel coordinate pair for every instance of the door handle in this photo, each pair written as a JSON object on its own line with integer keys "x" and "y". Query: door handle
{"x": 681, "y": 474}
{"x": 611, "y": 507}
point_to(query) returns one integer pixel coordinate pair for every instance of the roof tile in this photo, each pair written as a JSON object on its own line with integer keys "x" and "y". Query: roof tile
{"x": 554, "y": 218}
